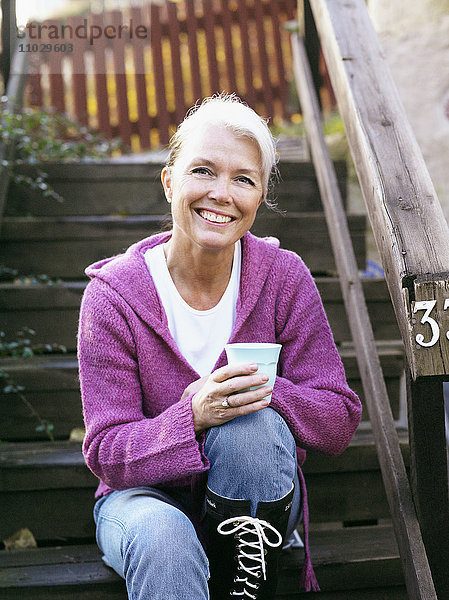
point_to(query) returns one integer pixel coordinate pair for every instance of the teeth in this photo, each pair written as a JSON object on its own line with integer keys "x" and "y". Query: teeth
{"x": 210, "y": 216}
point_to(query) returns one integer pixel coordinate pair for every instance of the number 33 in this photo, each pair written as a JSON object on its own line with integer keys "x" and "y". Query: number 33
{"x": 428, "y": 306}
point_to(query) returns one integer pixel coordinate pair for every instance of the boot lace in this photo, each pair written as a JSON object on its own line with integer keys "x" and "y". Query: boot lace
{"x": 252, "y": 534}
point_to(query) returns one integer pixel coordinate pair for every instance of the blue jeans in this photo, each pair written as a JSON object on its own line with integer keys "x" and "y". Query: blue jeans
{"x": 146, "y": 534}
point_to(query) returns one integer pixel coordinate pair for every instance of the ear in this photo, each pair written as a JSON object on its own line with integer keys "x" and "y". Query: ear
{"x": 262, "y": 200}
{"x": 166, "y": 178}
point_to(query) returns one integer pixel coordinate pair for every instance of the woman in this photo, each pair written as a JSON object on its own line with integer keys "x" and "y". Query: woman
{"x": 200, "y": 479}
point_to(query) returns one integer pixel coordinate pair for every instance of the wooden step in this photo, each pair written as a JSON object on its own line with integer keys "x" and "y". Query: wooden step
{"x": 51, "y": 385}
{"x": 52, "y": 310}
{"x": 64, "y": 246}
{"x": 46, "y": 487}
{"x": 353, "y": 563}
{"x": 132, "y": 188}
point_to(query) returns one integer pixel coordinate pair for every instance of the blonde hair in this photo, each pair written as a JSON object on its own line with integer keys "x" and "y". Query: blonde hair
{"x": 228, "y": 110}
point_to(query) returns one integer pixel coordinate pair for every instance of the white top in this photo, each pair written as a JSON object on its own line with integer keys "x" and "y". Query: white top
{"x": 199, "y": 334}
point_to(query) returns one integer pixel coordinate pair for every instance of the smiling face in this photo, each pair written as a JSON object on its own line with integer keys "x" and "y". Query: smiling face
{"x": 215, "y": 188}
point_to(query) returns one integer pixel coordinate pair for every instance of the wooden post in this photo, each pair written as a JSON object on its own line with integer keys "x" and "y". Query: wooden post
{"x": 429, "y": 477}
{"x": 8, "y": 28}
{"x": 14, "y": 92}
{"x": 312, "y": 45}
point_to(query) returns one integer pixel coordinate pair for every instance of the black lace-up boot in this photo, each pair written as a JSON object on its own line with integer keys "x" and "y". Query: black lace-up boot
{"x": 243, "y": 551}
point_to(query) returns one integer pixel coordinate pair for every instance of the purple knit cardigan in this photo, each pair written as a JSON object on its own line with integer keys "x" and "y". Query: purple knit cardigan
{"x": 138, "y": 430}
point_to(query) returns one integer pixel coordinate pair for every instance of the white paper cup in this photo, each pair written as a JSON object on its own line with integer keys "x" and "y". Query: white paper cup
{"x": 265, "y": 355}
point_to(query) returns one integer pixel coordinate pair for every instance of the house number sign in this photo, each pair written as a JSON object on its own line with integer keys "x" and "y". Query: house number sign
{"x": 427, "y": 306}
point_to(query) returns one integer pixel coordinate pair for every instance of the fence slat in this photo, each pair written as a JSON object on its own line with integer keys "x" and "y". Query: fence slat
{"x": 250, "y": 93}
{"x": 78, "y": 76}
{"x": 158, "y": 72}
{"x": 143, "y": 121}
{"x": 267, "y": 91}
{"x": 178, "y": 83}
{"x": 55, "y": 71}
{"x": 209, "y": 29}
{"x": 121, "y": 88}
{"x": 193, "y": 49}
{"x": 282, "y": 81}
{"x": 226, "y": 19}
{"x": 34, "y": 86}
{"x": 101, "y": 88}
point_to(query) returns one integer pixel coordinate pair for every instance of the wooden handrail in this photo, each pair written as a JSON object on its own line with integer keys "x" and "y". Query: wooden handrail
{"x": 407, "y": 221}
{"x": 413, "y": 241}
{"x": 413, "y": 554}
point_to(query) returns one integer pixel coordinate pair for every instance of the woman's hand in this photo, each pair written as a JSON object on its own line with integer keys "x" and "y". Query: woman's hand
{"x": 194, "y": 387}
{"x": 207, "y": 403}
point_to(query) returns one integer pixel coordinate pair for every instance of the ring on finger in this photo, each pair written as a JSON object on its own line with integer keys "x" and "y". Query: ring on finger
{"x": 225, "y": 403}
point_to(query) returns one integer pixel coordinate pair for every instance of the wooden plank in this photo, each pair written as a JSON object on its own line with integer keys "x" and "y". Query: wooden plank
{"x": 347, "y": 557}
{"x": 226, "y": 20}
{"x": 263, "y": 59}
{"x": 55, "y": 75}
{"x": 8, "y": 33}
{"x": 56, "y": 514}
{"x": 178, "y": 83}
{"x": 400, "y": 197}
{"x": 121, "y": 86}
{"x": 79, "y": 89}
{"x": 105, "y": 188}
{"x": 413, "y": 555}
{"x": 14, "y": 102}
{"x": 428, "y": 323}
{"x": 52, "y": 311}
{"x": 429, "y": 472}
{"x": 101, "y": 89}
{"x": 163, "y": 119}
{"x": 138, "y": 48}
{"x": 52, "y": 387}
{"x": 78, "y": 241}
{"x": 279, "y": 58}
{"x": 38, "y": 479}
{"x": 250, "y": 95}
{"x": 192, "y": 42}
{"x": 209, "y": 30}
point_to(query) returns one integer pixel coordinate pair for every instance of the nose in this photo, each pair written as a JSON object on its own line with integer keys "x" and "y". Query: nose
{"x": 220, "y": 190}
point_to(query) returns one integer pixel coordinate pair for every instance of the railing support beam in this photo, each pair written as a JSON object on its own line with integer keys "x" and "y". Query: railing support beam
{"x": 428, "y": 469}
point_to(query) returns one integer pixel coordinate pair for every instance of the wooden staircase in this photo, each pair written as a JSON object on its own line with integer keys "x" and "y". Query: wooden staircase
{"x": 46, "y": 487}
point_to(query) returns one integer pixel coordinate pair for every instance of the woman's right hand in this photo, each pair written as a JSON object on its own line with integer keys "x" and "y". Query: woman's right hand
{"x": 207, "y": 403}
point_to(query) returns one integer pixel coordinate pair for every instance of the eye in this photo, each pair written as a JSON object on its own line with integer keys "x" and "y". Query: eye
{"x": 201, "y": 171}
{"x": 245, "y": 179}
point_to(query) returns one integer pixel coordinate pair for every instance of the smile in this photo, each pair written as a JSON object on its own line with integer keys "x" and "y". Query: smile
{"x": 214, "y": 217}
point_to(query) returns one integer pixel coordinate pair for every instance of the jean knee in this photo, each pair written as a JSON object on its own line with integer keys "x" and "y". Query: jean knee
{"x": 258, "y": 446}
{"x": 254, "y": 432}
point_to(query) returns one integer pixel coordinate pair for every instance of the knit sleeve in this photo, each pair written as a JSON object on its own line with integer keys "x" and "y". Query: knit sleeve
{"x": 123, "y": 447}
{"x": 311, "y": 391}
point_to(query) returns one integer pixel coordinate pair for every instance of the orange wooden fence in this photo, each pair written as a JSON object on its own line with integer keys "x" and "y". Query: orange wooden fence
{"x": 140, "y": 85}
